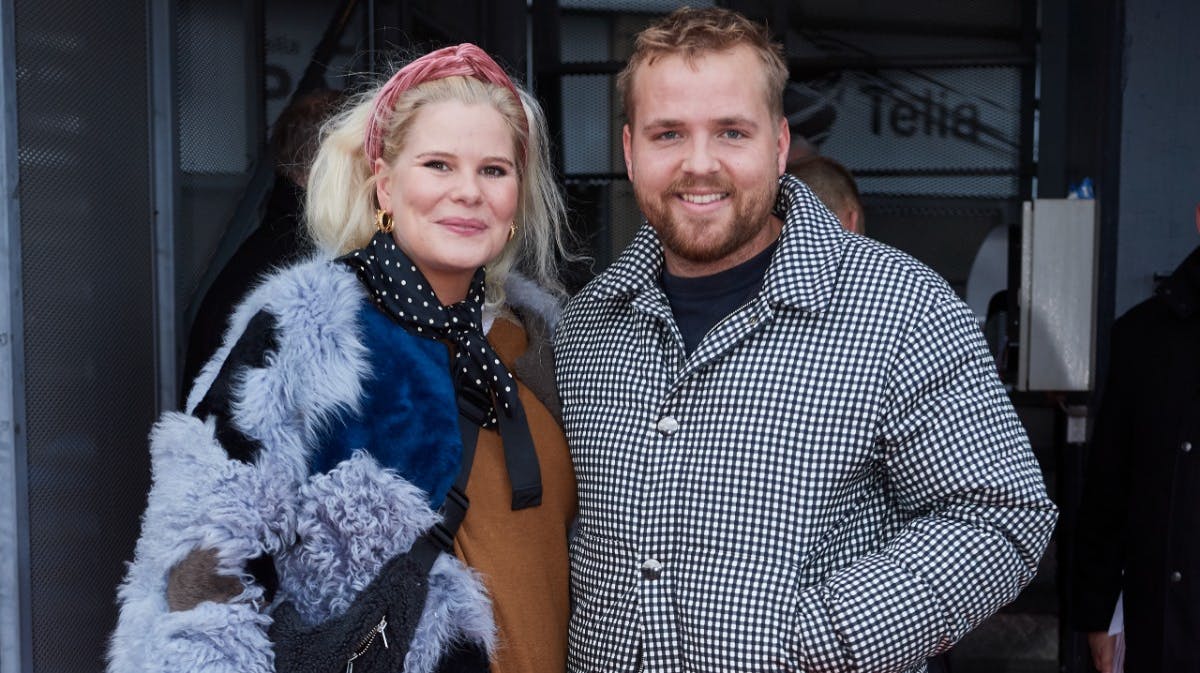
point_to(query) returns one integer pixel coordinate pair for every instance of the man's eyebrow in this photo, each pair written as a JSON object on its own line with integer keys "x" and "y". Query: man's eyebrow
{"x": 663, "y": 124}
{"x": 737, "y": 121}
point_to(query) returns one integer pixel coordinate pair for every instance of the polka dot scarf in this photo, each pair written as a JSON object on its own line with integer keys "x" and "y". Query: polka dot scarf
{"x": 481, "y": 382}
{"x": 401, "y": 291}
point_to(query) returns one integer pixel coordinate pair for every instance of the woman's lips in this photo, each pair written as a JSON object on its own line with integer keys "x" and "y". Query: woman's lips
{"x": 463, "y": 225}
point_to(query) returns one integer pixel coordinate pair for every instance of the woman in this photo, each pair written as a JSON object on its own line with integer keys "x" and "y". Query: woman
{"x": 339, "y": 417}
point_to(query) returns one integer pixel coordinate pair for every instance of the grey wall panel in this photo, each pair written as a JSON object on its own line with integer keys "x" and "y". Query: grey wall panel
{"x": 1160, "y": 174}
{"x": 14, "y": 543}
{"x": 217, "y": 81}
{"x": 88, "y": 291}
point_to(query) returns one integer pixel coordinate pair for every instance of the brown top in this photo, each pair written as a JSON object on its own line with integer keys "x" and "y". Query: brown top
{"x": 522, "y": 555}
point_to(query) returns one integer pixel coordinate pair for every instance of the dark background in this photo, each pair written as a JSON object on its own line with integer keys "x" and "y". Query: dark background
{"x": 133, "y": 165}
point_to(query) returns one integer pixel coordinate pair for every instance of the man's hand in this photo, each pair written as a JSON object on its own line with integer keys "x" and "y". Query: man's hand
{"x": 1101, "y": 645}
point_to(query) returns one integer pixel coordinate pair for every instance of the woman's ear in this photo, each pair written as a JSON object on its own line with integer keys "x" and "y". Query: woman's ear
{"x": 383, "y": 185}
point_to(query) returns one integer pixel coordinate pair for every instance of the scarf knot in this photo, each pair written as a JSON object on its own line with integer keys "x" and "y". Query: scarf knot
{"x": 481, "y": 381}
{"x": 402, "y": 292}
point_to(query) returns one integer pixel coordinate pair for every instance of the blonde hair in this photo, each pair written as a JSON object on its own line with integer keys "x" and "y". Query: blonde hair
{"x": 340, "y": 203}
{"x": 695, "y": 32}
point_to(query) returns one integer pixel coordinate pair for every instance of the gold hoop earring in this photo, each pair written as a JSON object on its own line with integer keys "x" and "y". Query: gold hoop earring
{"x": 512, "y": 231}
{"x": 384, "y": 221}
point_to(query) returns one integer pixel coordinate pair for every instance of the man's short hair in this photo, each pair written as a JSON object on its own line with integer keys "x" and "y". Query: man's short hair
{"x": 695, "y": 32}
{"x": 830, "y": 181}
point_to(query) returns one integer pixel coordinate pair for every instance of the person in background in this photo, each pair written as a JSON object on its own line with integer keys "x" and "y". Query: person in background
{"x": 279, "y": 240}
{"x": 1139, "y": 518}
{"x": 835, "y": 187}
{"x": 307, "y": 508}
{"x": 792, "y": 449}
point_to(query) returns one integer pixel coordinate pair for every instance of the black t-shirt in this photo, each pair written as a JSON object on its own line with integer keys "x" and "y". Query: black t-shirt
{"x": 700, "y": 303}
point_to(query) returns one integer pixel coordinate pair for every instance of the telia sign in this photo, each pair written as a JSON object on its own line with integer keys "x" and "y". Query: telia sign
{"x": 947, "y": 131}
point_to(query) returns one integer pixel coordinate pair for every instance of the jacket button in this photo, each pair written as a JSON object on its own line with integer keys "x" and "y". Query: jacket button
{"x": 1176, "y": 576}
{"x": 1186, "y": 446}
{"x": 652, "y": 569}
{"x": 667, "y": 425}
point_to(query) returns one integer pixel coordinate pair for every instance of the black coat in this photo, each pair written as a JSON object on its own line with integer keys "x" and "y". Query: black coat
{"x": 277, "y": 242}
{"x": 1140, "y": 514}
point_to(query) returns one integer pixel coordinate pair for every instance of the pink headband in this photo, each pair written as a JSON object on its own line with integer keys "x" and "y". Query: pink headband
{"x": 464, "y": 60}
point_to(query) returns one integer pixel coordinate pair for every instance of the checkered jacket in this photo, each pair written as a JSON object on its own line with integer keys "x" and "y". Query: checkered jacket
{"x": 834, "y": 480}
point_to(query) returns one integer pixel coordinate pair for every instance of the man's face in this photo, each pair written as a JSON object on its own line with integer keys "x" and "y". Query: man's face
{"x": 704, "y": 153}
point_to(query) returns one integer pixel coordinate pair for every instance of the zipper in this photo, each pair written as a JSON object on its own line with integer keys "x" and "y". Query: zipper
{"x": 377, "y": 630}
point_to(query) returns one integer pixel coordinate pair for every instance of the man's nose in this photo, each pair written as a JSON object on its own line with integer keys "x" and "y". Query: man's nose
{"x": 700, "y": 158}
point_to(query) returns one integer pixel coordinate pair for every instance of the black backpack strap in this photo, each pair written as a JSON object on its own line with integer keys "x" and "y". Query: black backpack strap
{"x": 454, "y": 509}
{"x": 520, "y": 459}
{"x": 520, "y": 456}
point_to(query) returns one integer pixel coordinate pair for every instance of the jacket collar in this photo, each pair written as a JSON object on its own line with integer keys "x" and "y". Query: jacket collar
{"x": 802, "y": 272}
{"x": 1181, "y": 291}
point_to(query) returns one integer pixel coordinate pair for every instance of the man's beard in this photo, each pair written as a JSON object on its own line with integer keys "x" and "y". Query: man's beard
{"x": 750, "y": 214}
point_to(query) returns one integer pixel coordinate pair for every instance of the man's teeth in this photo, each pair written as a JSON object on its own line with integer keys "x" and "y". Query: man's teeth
{"x": 702, "y": 198}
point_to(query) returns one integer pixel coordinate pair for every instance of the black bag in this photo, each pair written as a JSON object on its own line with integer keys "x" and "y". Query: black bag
{"x": 374, "y": 634}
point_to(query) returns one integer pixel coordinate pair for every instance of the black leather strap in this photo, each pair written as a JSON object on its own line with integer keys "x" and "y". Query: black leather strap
{"x": 454, "y": 508}
{"x": 520, "y": 457}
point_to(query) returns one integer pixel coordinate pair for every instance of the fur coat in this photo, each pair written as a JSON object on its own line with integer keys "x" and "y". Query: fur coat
{"x": 232, "y": 484}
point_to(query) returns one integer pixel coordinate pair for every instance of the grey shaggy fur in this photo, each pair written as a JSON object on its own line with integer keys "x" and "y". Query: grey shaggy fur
{"x": 352, "y": 519}
{"x": 200, "y": 499}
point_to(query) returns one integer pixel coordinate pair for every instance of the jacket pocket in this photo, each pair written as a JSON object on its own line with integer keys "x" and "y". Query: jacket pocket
{"x": 735, "y": 610}
{"x": 602, "y": 631}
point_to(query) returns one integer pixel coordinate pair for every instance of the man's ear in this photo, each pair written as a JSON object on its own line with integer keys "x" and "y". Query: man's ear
{"x": 853, "y": 220}
{"x": 783, "y": 144}
{"x": 626, "y": 139}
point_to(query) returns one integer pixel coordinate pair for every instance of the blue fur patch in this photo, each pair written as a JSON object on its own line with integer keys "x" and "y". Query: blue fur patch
{"x": 408, "y": 420}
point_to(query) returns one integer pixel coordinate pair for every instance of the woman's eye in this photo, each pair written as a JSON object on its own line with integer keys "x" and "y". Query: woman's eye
{"x": 495, "y": 171}
{"x": 437, "y": 165}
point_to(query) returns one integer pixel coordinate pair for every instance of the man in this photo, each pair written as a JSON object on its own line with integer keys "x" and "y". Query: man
{"x": 834, "y": 186}
{"x": 1139, "y": 520}
{"x": 792, "y": 450}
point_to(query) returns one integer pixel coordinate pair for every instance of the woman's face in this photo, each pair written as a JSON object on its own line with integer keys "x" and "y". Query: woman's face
{"x": 452, "y": 192}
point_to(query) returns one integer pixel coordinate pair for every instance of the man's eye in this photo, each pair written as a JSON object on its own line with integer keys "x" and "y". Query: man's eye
{"x": 668, "y": 135}
{"x": 734, "y": 134}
